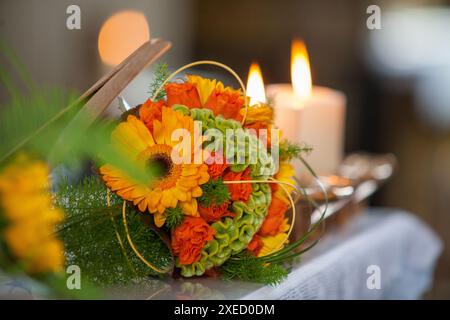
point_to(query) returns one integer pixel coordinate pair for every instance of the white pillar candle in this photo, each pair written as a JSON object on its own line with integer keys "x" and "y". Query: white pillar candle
{"x": 318, "y": 120}
{"x": 310, "y": 114}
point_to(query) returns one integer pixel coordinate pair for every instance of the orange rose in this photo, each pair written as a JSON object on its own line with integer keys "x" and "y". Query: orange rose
{"x": 215, "y": 212}
{"x": 226, "y": 102}
{"x": 189, "y": 238}
{"x": 150, "y": 111}
{"x": 274, "y": 219}
{"x": 255, "y": 245}
{"x": 239, "y": 191}
{"x": 182, "y": 93}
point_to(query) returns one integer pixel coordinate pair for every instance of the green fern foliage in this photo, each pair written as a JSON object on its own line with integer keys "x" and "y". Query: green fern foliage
{"x": 290, "y": 150}
{"x": 161, "y": 74}
{"x": 250, "y": 268}
{"x": 95, "y": 238}
{"x": 214, "y": 192}
{"x": 174, "y": 217}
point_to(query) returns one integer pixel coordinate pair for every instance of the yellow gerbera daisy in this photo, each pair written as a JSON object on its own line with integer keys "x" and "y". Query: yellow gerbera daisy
{"x": 177, "y": 184}
{"x": 31, "y": 218}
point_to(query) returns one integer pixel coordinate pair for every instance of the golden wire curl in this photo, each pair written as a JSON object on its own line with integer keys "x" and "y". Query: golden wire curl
{"x": 212, "y": 63}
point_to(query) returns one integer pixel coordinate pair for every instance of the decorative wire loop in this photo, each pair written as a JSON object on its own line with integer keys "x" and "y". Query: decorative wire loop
{"x": 119, "y": 238}
{"x": 212, "y": 63}
{"x": 283, "y": 185}
{"x": 130, "y": 241}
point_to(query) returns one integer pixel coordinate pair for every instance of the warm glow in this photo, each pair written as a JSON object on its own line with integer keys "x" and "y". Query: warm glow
{"x": 255, "y": 85}
{"x": 300, "y": 70}
{"x": 122, "y": 34}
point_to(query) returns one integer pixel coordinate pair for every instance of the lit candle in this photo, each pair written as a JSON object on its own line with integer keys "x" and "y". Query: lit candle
{"x": 311, "y": 114}
{"x": 255, "y": 85}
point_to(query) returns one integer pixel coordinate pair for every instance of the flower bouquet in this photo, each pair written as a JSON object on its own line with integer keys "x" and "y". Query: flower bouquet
{"x": 218, "y": 194}
{"x": 192, "y": 182}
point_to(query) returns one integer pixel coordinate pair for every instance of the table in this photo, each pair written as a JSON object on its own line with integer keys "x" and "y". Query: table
{"x": 389, "y": 243}
{"x": 394, "y": 242}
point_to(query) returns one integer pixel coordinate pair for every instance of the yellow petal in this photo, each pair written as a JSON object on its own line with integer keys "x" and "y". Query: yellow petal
{"x": 158, "y": 133}
{"x": 197, "y": 192}
{"x": 154, "y": 198}
{"x": 131, "y": 137}
{"x": 204, "y": 176}
{"x": 165, "y": 199}
{"x": 190, "y": 208}
{"x": 189, "y": 170}
{"x": 204, "y": 87}
{"x": 181, "y": 195}
{"x": 159, "y": 219}
{"x": 142, "y": 206}
{"x": 272, "y": 243}
{"x": 142, "y": 130}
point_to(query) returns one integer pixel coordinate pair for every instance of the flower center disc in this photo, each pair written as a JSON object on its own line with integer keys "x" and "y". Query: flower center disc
{"x": 160, "y": 165}
{"x": 158, "y": 159}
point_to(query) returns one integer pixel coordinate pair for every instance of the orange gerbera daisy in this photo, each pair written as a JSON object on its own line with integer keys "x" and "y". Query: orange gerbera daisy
{"x": 177, "y": 183}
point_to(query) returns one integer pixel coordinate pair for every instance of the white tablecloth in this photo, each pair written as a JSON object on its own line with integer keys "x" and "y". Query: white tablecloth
{"x": 403, "y": 247}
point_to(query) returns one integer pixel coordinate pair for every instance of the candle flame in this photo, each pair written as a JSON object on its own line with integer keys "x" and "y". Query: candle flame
{"x": 121, "y": 34}
{"x": 300, "y": 70}
{"x": 255, "y": 85}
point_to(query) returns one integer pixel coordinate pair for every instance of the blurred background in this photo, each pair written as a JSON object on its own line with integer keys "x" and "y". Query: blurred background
{"x": 396, "y": 79}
